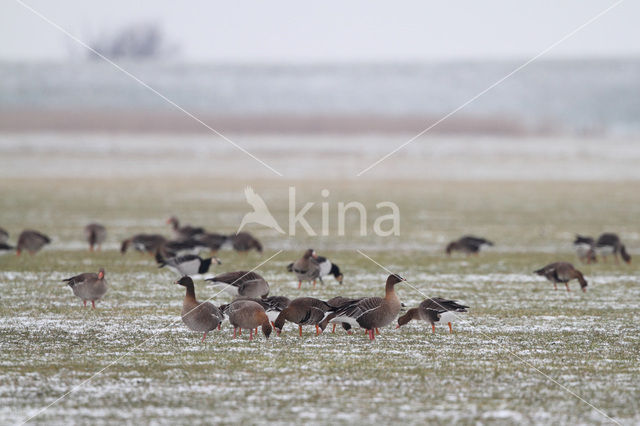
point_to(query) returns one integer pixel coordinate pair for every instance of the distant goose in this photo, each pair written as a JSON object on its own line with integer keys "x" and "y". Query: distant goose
{"x": 183, "y": 232}
{"x": 433, "y": 310}
{"x": 326, "y": 268}
{"x": 241, "y": 283}
{"x": 585, "y": 248}
{"x": 371, "y": 312}
{"x": 609, "y": 243}
{"x": 96, "y": 234}
{"x": 306, "y": 268}
{"x": 198, "y": 316}
{"x": 302, "y": 311}
{"x": 468, "y": 245}
{"x": 212, "y": 241}
{"x": 88, "y": 286}
{"x": 180, "y": 248}
{"x": 189, "y": 264}
{"x": 562, "y": 272}
{"x": 244, "y": 242}
{"x": 32, "y": 241}
{"x": 248, "y": 314}
{"x": 149, "y": 243}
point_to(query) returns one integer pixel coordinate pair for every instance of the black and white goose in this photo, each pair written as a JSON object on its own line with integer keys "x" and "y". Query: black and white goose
{"x": 585, "y": 248}
{"x": 4, "y": 237}
{"x": 189, "y": 264}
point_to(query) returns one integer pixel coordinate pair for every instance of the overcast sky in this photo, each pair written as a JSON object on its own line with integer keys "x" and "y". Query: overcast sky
{"x": 328, "y": 30}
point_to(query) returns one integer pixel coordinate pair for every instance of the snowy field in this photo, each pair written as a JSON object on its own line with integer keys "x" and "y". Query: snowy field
{"x": 524, "y": 354}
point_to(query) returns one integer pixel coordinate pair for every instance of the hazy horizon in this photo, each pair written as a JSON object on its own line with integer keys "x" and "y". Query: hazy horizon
{"x": 331, "y": 32}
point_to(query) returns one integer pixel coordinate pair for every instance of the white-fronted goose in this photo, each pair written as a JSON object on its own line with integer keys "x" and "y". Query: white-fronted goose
{"x": 272, "y": 305}
{"x": 326, "y": 268}
{"x": 371, "y": 312}
{"x": 32, "y": 241}
{"x": 183, "y": 232}
{"x": 202, "y": 317}
{"x": 88, "y": 286}
{"x": 189, "y": 264}
{"x": 585, "y": 248}
{"x": 562, "y": 272}
{"x": 96, "y": 234}
{"x": 302, "y": 311}
{"x": 433, "y": 310}
{"x": 467, "y": 244}
{"x": 338, "y": 301}
{"x": 212, "y": 241}
{"x": 149, "y": 243}
{"x": 244, "y": 241}
{"x": 609, "y": 243}
{"x": 248, "y": 314}
{"x": 241, "y": 283}
{"x": 306, "y": 269}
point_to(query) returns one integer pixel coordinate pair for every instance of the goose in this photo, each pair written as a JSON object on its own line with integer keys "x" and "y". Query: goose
{"x": 326, "y": 267}
{"x": 88, "y": 286}
{"x": 306, "y": 269}
{"x": 248, "y": 314}
{"x": 302, "y": 311}
{"x": 585, "y": 248}
{"x": 434, "y": 310}
{"x": 32, "y": 241}
{"x": 272, "y": 305}
{"x": 198, "y": 316}
{"x": 183, "y": 232}
{"x": 4, "y": 237}
{"x": 180, "y": 248}
{"x": 243, "y": 242}
{"x": 369, "y": 313}
{"x": 189, "y": 264}
{"x": 609, "y": 243}
{"x": 468, "y": 245}
{"x": 96, "y": 234}
{"x": 212, "y": 241}
{"x": 336, "y": 302}
{"x": 241, "y": 283}
{"x": 149, "y": 243}
{"x": 562, "y": 272}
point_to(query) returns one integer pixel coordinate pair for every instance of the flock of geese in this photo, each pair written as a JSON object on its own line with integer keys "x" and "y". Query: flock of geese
{"x": 252, "y": 308}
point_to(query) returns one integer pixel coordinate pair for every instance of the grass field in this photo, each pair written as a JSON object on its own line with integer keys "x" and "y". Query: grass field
{"x": 516, "y": 357}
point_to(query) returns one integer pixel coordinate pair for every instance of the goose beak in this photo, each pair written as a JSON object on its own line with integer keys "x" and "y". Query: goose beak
{"x": 397, "y": 326}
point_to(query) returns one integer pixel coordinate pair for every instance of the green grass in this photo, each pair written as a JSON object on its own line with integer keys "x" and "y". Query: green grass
{"x": 487, "y": 371}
